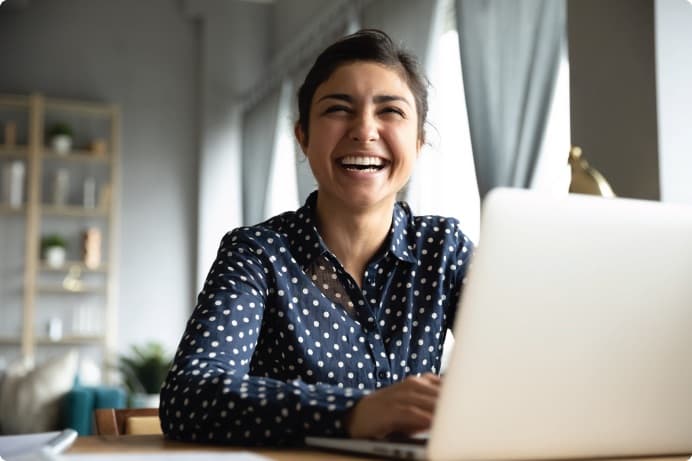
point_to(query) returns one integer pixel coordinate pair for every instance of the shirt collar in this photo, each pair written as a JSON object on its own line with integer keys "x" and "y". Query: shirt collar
{"x": 399, "y": 242}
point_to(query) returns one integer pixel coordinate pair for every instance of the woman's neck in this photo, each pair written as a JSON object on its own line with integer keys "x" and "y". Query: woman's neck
{"x": 354, "y": 236}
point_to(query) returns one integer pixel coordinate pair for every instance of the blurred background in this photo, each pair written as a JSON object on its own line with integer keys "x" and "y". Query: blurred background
{"x": 181, "y": 112}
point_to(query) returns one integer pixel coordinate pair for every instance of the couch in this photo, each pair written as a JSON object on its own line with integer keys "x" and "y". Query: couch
{"x": 78, "y": 405}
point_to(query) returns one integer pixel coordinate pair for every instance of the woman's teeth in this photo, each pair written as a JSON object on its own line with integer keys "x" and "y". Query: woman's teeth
{"x": 362, "y": 163}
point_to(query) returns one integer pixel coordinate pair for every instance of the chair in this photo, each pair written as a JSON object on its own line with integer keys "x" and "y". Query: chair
{"x": 111, "y": 421}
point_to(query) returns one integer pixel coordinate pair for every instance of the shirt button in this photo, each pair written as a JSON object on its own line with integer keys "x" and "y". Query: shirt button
{"x": 382, "y": 374}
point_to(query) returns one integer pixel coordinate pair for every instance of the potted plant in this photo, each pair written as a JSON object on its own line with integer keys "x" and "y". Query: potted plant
{"x": 54, "y": 250}
{"x": 60, "y": 135}
{"x": 143, "y": 372}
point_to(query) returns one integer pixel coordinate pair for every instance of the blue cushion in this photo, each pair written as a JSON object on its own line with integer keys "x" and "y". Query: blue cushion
{"x": 79, "y": 405}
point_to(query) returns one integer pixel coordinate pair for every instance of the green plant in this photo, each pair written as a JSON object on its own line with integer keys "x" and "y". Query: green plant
{"x": 53, "y": 240}
{"x": 144, "y": 370}
{"x": 60, "y": 128}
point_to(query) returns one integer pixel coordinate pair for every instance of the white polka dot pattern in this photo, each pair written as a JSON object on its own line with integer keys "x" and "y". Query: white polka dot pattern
{"x": 282, "y": 342}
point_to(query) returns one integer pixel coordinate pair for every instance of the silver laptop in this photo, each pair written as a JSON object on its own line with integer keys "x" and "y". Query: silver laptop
{"x": 573, "y": 339}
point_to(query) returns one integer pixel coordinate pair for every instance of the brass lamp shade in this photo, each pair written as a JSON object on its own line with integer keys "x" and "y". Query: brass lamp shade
{"x": 586, "y": 179}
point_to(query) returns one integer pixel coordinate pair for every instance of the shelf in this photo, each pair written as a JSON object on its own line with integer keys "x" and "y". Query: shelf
{"x": 6, "y": 209}
{"x": 88, "y": 108}
{"x": 71, "y": 264}
{"x": 9, "y": 341}
{"x": 68, "y": 340}
{"x": 59, "y": 289}
{"x": 73, "y": 210}
{"x": 14, "y": 101}
{"x": 76, "y": 156}
{"x": 12, "y": 152}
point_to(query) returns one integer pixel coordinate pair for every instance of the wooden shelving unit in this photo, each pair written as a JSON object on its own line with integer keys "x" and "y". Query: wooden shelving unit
{"x": 42, "y": 284}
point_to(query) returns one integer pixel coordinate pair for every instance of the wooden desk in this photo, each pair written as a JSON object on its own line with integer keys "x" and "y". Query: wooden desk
{"x": 156, "y": 443}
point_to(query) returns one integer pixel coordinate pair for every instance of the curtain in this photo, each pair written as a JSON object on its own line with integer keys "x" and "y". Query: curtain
{"x": 259, "y": 133}
{"x": 282, "y": 189}
{"x": 510, "y": 54}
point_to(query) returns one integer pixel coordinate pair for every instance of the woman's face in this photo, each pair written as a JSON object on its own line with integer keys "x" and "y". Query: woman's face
{"x": 363, "y": 139}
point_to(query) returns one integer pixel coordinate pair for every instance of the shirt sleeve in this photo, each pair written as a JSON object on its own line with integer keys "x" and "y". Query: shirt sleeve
{"x": 210, "y": 394}
{"x": 464, "y": 253}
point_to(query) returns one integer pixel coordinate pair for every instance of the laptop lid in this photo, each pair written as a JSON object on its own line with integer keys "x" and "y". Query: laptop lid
{"x": 574, "y": 335}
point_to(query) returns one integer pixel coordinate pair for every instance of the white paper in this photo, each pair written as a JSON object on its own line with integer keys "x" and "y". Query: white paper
{"x": 12, "y": 445}
{"x": 168, "y": 456}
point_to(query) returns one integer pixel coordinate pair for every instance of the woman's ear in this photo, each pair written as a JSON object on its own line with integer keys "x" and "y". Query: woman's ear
{"x": 300, "y": 137}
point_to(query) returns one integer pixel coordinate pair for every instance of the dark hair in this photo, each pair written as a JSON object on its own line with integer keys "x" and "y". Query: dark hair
{"x": 365, "y": 45}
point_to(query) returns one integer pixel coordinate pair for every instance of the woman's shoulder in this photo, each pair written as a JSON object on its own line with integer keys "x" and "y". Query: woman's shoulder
{"x": 430, "y": 225}
{"x": 270, "y": 232}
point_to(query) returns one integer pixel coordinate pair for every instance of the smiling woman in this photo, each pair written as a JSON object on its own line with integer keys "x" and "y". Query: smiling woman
{"x": 330, "y": 319}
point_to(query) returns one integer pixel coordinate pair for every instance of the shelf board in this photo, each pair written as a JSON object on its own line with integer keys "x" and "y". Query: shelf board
{"x": 12, "y": 100}
{"x": 59, "y": 289}
{"x": 70, "y": 264}
{"x": 72, "y": 339}
{"x": 10, "y": 341}
{"x": 6, "y": 209}
{"x": 88, "y": 108}
{"x": 76, "y": 156}
{"x": 73, "y": 210}
{"x": 15, "y": 151}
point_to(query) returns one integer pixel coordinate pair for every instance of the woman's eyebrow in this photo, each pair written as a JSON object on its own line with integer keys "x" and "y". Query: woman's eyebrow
{"x": 339, "y": 96}
{"x": 383, "y": 98}
{"x": 377, "y": 99}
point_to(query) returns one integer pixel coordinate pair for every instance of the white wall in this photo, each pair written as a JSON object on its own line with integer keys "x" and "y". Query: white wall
{"x": 674, "y": 98}
{"x": 142, "y": 55}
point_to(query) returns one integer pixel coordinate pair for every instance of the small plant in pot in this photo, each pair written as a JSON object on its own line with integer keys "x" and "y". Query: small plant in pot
{"x": 54, "y": 250}
{"x": 143, "y": 373}
{"x": 60, "y": 135}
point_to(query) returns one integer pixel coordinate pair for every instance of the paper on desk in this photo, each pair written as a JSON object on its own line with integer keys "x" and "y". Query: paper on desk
{"x": 13, "y": 445}
{"x": 168, "y": 456}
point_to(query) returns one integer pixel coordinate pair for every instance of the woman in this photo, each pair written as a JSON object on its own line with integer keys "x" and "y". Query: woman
{"x": 329, "y": 320}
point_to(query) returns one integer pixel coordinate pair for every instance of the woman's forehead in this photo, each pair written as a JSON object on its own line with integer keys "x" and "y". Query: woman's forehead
{"x": 365, "y": 78}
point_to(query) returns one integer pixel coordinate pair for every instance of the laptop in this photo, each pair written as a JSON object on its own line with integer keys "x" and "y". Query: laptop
{"x": 573, "y": 337}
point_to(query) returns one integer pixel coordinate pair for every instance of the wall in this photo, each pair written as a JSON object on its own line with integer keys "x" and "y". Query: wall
{"x": 674, "y": 97}
{"x": 613, "y": 91}
{"x": 143, "y": 56}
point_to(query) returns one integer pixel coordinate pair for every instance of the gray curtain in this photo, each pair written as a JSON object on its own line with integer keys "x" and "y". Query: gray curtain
{"x": 510, "y": 53}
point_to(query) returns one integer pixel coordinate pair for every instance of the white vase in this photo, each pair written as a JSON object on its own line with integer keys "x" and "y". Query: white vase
{"x": 140, "y": 400}
{"x": 61, "y": 143}
{"x": 55, "y": 256}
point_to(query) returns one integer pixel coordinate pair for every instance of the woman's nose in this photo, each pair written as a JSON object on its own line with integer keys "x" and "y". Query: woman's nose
{"x": 364, "y": 128}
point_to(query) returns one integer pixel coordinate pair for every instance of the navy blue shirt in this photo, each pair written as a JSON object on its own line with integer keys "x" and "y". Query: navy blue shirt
{"x": 283, "y": 342}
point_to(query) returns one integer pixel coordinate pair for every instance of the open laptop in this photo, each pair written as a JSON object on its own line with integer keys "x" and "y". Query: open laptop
{"x": 573, "y": 338}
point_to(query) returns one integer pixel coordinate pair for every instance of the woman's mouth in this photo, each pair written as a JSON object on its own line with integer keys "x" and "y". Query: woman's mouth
{"x": 362, "y": 163}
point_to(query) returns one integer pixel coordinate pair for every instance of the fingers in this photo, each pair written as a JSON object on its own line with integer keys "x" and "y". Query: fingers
{"x": 405, "y": 407}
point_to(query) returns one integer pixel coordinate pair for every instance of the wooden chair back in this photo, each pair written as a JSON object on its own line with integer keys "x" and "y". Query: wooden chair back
{"x": 112, "y": 421}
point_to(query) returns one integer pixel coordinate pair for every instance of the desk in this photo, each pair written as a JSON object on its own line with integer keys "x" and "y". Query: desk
{"x": 156, "y": 443}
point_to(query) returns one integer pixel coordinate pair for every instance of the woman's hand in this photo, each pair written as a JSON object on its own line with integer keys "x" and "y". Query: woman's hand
{"x": 405, "y": 407}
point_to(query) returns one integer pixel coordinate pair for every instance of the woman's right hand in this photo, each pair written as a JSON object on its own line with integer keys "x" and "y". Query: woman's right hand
{"x": 405, "y": 407}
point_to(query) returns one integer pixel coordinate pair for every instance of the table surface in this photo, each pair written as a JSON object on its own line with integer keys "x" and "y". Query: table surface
{"x": 156, "y": 443}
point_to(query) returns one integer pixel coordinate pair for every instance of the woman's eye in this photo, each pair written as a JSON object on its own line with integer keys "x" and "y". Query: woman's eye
{"x": 334, "y": 109}
{"x": 395, "y": 111}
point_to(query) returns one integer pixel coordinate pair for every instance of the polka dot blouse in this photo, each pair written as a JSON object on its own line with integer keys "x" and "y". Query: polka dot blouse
{"x": 283, "y": 342}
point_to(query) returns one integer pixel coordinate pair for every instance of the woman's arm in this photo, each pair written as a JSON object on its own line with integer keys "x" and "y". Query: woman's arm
{"x": 209, "y": 394}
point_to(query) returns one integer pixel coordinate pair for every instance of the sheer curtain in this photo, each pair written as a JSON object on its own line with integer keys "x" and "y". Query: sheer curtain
{"x": 444, "y": 181}
{"x": 259, "y": 134}
{"x": 282, "y": 187}
{"x": 510, "y": 52}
